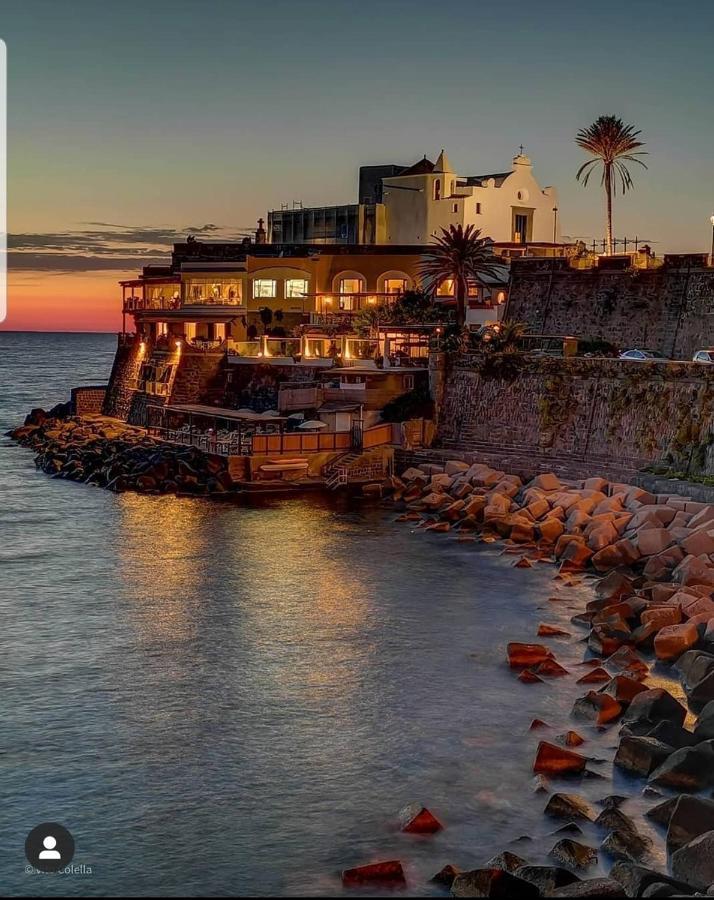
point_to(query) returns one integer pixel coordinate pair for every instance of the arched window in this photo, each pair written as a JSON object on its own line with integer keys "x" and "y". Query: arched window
{"x": 437, "y": 189}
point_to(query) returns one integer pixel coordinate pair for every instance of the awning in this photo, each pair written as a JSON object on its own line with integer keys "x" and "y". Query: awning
{"x": 221, "y": 412}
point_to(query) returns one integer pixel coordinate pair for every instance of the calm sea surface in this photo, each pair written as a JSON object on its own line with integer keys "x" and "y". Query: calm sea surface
{"x": 216, "y": 698}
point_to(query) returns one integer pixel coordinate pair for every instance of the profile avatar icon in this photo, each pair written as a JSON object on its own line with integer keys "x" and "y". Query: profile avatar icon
{"x": 49, "y": 847}
{"x": 49, "y": 843}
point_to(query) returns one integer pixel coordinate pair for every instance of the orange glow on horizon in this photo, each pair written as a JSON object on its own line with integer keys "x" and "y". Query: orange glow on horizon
{"x": 48, "y": 301}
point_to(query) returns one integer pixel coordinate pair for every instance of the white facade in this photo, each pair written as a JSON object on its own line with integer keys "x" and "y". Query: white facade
{"x": 507, "y": 206}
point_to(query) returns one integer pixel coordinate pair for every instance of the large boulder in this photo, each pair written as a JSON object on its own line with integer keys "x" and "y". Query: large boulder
{"x": 653, "y": 706}
{"x": 674, "y": 640}
{"x": 687, "y": 769}
{"x": 693, "y": 666}
{"x": 694, "y": 570}
{"x": 546, "y": 878}
{"x": 491, "y": 883}
{"x": 417, "y": 819}
{"x": 574, "y": 854}
{"x": 636, "y": 879}
{"x": 506, "y": 860}
{"x": 569, "y": 806}
{"x": 651, "y": 541}
{"x": 694, "y": 863}
{"x": 590, "y": 887}
{"x": 690, "y": 817}
{"x": 704, "y": 729}
{"x": 598, "y": 708}
{"x": 641, "y": 755}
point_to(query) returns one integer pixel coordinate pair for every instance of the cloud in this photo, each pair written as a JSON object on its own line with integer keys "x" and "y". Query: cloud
{"x": 104, "y": 245}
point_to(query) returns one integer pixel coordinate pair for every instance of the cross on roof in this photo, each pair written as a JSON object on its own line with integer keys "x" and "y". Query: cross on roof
{"x": 521, "y": 149}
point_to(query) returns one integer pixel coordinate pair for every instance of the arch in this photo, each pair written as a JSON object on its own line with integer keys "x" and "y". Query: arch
{"x": 389, "y": 282}
{"x": 437, "y": 189}
{"x": 348, "y": 285}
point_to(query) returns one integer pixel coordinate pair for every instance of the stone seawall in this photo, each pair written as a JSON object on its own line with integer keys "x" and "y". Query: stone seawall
{"x": 601, "y": 414}
{"x": 123, "y": 380}
{"x": 668, "y": 309}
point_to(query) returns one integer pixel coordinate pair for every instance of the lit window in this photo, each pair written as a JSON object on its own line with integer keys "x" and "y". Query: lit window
{"x": 446, "y": 288}
{"x": 395, "y": 285}
{"x": 264, "y": 288}
{"x": 350, "y": 285}
{"x": 437, "y": 189}
{"x": 473, "y": 290}
{"x": 295, "y": 287}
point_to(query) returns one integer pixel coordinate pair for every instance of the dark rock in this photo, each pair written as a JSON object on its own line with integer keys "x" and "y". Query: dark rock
{"x": 693, "y": 666}
{"x": 694, "y": 863}
{"x": 627, "y": 845}
{"x": 569, "y": 806}
{"x": 615, "y": 820}
{"x": 690, "y": 817}
{"x": 546, "y": 878}
{"x": 702, "y": 692}
{"x": 688, "y": 769}
{"x": 591, "y": 887}
{"x": 663, "y": 811}
{"x": 672, "y": 734}
{"x": 491, "y": 883}
{"x": 654, "y": 706}
{"x": 635, "y": 879}
{"x": 572, "y": 853}
{"x": 446, "y": 876}
{"x": 641, "y": 755}
{"x": 570, "y": 828}
{"x": 659, "y": 889}
{"x": 506, "y": 860}
{"x": 704, "y": 729}
{"x": 612, "y": 801}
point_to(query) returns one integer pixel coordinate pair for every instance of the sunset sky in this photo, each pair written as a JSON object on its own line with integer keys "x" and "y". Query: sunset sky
{"x": 132, "y": 123}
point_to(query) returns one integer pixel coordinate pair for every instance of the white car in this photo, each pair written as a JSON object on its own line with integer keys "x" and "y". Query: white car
{"x": 643, "y": 356}
{"x": 704, "y": 356}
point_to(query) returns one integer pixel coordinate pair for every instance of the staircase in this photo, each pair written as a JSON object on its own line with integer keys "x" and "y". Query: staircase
{"x": 353, "y": 466}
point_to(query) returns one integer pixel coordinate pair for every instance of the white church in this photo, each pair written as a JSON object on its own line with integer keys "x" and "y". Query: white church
{"x": 506, "y": 206}
{"x": 409, "y": 205}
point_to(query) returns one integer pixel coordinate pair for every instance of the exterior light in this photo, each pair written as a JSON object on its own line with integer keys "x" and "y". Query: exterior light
{"x": 328, "y": 300}
{"x": 711, "y": 219}
{"x": 178, "y": 345}
{"x": 371, "y": 300}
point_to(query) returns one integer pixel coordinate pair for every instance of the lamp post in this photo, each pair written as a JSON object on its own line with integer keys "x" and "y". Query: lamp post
{"x": 555, "y": 223}
{"x": 711, "y": 259}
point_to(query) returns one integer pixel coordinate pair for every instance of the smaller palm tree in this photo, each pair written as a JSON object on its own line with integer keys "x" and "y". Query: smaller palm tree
{"x": 613, "y": 144}
{"x": 461, "y": 255}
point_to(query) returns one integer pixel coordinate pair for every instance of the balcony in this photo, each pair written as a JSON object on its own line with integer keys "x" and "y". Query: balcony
{"x": 337, "y": 308}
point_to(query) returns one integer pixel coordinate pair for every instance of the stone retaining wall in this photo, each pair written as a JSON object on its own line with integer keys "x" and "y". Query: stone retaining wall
{"x": 669, "y": 309}
{"x": 584, "y": 413}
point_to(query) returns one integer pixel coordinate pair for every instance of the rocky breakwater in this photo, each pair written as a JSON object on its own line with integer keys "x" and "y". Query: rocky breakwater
{"x": 120, "y": 457}
{"x": 650, "y": 623}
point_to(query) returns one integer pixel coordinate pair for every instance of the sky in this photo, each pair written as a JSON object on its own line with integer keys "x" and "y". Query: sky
{"x": 132, "y": 123}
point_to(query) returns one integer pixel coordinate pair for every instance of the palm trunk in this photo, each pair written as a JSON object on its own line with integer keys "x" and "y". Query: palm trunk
{"x": 460, "y": 302}
{"x": 608, "y": 194}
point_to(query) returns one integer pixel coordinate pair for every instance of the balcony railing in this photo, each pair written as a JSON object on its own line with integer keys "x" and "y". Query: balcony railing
{"x": 134, "y": 304}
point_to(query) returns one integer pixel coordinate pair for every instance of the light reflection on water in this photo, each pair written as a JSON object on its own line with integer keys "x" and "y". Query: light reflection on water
{"x": 221, "y": 698}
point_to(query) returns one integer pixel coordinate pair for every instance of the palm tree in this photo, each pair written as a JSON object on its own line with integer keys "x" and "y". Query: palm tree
{"x": 462, "y": 255}
{"x": 613, "y": 144}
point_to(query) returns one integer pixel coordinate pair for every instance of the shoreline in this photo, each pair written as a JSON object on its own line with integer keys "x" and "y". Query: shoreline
{"x": 652, "y": 599}
{"x": 649, "y": 599}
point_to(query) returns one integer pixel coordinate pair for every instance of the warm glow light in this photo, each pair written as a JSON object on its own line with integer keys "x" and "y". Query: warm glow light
{"x": 371, "y": 300}
{"x": 328, "y": 300}
{"x": 307, "y": 350}
{"x": 178, "y": 345}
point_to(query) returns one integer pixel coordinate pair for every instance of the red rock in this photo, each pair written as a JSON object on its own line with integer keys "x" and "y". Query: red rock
{"x": 521, "y": 655}
{"x": 528, "y": 676}
{"x": 624, "y": 689}
{"x": 538, "y": 723}
{"x": 596, "y": 676}
{"x": 552, "y": 668}
{"x": 661, "y": 616}
{"x": 600, "y": 708}
{"x": 417, "y": 819}
{"x": 575, "y": 556}
{"x": 673, "y": 640}
{"x": 571, "y": 739}
{"x": 523, "y": 563}
{"x": 380, "y": 873}
{"x": 551, "y": 631}
{"x": 553, "y": 760}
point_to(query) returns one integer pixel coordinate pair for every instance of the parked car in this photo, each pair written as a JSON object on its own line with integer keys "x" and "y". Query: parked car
{"x": 638, "y": 355}
{"x": 704, "y": 356}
